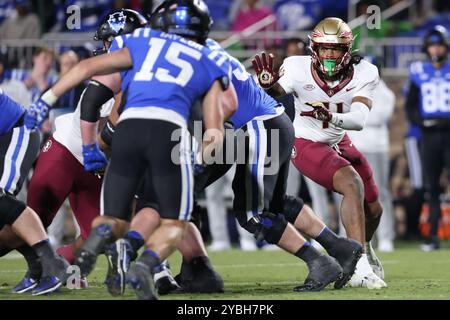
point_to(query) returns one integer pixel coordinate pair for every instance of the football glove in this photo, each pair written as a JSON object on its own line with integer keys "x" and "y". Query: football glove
{"x": 263, "y": 66}
{"x": 319, "y": 112}
{"x": 93, "y": 158}
{"x": 36, "y": 114}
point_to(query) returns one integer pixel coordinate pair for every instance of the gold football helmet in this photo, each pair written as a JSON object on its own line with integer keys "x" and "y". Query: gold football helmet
{"x": 332, "y": 32}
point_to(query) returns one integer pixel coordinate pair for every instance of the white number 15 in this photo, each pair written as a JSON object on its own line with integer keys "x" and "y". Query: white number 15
{"x": 172, "y": 56}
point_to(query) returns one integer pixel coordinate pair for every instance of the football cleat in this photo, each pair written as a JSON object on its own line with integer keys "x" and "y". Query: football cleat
{"x": 141, "y": 281}
{"x": 94, "y": 245}
{"x": 322, "y": 271}
{"x": 85, "y": 260}
{"x": 164, "y": 281}
{"x": 347, "y": 252}
{"x": 198, "y": 276}
{"x": 431, "y": 244}
{"x": 25, "y": 285}
{"x": 374, "y": 262}
{"x": 47, "y": 284}
{"x": 365, "y": 277}
{"x": 118, "y": 258}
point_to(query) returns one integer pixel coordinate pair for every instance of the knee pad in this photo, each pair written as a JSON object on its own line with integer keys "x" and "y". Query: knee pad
{"x": 273, "y": 226}
{"x": 10, "y": 208}
{"x": 292, "y": 207}
{"x": 267, "y": 226}
{"x": 253, "y": 225}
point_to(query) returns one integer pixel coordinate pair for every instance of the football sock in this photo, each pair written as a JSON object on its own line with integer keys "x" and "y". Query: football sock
{"x": 327, "y": 238}
{"x": 136, "y": 241}
{"x": 47, "y": 255}
{"x": 307, "y": 253}
{"x": 33, "y": 261}
{"x": 150, "y": 258}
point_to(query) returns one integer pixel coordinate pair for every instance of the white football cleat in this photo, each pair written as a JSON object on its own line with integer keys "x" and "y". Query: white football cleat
{"x": 374, "y": 262}
{"x": 365, "y": 277}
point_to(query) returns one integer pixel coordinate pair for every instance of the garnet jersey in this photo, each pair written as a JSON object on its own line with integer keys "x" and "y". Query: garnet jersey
{"x": 300, "y": 79}
{"x": 67, "y": 128}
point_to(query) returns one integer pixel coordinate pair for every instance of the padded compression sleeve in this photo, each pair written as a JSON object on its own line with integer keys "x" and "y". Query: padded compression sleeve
{"x": 92, "y": 99}
{"x": 353, "y": 120}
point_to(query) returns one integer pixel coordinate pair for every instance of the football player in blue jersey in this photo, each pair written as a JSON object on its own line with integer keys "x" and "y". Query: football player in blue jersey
{"x": 260, "y": 116}
{"x": 40, "y": 185}
{"x": 161, "y": 75}
{"x": 18, "y": 150}
{"x": 428, "y": 108}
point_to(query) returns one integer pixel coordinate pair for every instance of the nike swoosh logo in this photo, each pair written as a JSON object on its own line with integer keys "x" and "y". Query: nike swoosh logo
{"x": 348, "y": 89}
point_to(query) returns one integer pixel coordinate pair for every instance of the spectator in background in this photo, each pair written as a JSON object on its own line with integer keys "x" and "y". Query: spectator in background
{"x": 13, "y": 88}
{"x": 250, "y": 13}
{"x": 23, "y": 24}
{"x": 38, "y": 79}
{"x": 295, "y": 47}
{"x": 296, "y": 15}
{"x": 6, "y": 9}
{"x": 373, "y": 142}
{"x": 69, "y": 100}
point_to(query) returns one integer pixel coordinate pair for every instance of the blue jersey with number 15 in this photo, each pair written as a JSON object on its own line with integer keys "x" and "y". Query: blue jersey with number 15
{"x": 168, "y": 71}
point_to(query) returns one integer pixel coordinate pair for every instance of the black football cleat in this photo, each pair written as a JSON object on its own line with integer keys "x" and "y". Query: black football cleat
{"x": 164, "y": 281}
{"x": 94, "y": 245}
{"x": 347, "y": 252}
{"x": 322, "y": 271}
{"x": 118, "y": 257}
{"x": 140, "y": 279}
{"x": 198, "y": 276}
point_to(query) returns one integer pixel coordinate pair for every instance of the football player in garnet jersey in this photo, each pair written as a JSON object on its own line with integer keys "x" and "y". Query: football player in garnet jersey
{"x": 333, "y": 93}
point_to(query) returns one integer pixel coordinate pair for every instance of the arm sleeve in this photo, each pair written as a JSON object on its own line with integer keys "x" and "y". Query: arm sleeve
{"x": 353, "y": 120}
{"x": 92, "y": 99}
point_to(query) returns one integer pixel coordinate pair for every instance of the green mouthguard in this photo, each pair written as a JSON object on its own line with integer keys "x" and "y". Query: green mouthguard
{"x": 329, "y": 64}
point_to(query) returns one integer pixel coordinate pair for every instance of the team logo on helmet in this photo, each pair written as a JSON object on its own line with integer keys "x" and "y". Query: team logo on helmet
{"x": 294, "y": 153}
{"x": 117, "y": 21}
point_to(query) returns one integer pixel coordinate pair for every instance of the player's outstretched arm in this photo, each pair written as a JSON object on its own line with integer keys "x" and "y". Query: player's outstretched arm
{"x": 86, "y": 69}
{"x": 229, "y": 102}
{"x": 263, "y": 65}
{"x": 105, "y": 64}
{"x": 353, "y": 120}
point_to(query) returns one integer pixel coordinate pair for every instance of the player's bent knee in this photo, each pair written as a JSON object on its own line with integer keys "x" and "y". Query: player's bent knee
{"x": 350, "y": 183}
{"x": 267, "y": 226}
{"x": 10, "y": 209}
{"x": 292, "y": 207}
{"x": 276, "y": 224}
{"x": 375, "y": 209}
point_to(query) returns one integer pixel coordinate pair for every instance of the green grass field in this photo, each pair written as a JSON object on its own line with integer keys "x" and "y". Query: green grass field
{"x": 410, "y": 274}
